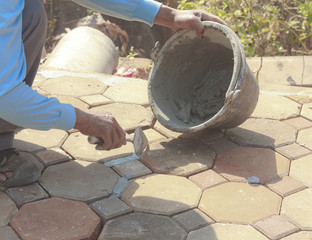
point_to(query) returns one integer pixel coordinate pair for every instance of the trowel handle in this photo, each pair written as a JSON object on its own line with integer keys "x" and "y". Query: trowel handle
{"x": 100, "y": 141}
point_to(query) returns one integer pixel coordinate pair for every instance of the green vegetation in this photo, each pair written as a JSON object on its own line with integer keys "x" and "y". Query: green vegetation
{"x": 265, "y": 27}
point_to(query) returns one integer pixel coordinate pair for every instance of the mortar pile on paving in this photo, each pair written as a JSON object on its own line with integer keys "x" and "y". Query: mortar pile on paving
{"x": 183, "y": 186}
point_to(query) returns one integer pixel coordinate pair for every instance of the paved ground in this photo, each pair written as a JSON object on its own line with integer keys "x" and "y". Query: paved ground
{"x": 183, "y": 186}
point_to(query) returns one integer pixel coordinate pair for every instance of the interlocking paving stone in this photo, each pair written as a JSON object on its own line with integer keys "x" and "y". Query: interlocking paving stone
{"x": 6, "y": 233}
{"x": 298, "y": 123}
{"x": 307, "y": 111}
{"x": 182, "y": 157}
{"x": 239, "y": 202}
{"x": 305, "y": 138}
{"x": 73, "y": 86}
{"x": 219, "y": 231}
{"x": 165, "y": 131}
{"x": 135, "y": 92}
{"x": 56, "y": 218}
{"x": 193, "y": 219}
{"x": 241, "y": 163}
{"x": 161, "y": 194}
{"x": 207, "y": 179}
{"x": 282, "y": 71}
{"x": 52, "y": 156}
{"x": 26, "y": 194}
{"x": 110, "y": 207}
{"x": 132, "y": 169}
{"x": 276, "y": 227}
{"x": 221, "y": 145}
{"x": 301, "y": 170}
{"x": 303, "y": 235}
{"x": 79, "y": 180}
{"x": 275, "y": 107}
{"x": 262, "y": 133}
{"x": 129, "y": 116}
{"x": 77, "y": 145}
{"x": 293, "y": 151}
{"x": 73, "y": 101}
{"x": 7, "y": 209}
{"x": 35, "y": 140}
{"x": 285, "y": 186}
{"x": 96, "y": 100}
{"x": 142, "y": 226}
{"x": 298, "y": 209}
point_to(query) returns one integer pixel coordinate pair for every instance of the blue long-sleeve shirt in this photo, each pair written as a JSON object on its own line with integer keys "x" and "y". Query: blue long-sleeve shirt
{"x": 19, "y": 103}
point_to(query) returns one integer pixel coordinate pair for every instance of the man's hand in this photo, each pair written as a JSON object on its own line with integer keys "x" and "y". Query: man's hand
{"x": 102, "y": 125}
{"x": 185, "y": 19}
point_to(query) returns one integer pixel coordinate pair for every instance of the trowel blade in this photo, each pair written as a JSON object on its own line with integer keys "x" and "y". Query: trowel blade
{"x": 139, "y": 141}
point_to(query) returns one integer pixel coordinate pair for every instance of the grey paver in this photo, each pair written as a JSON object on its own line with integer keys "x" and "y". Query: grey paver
{"x": 193, "y": 219}
{"x": 132, "y": 169}
{"x": 52, "y": 156}
{"x": 7, "y": 209}
{"x": 142, "y": 226}
{"x": 182, "y": 157}
{"x": 26, "y": 194}
{"x": 79, "y": 180}
{"x": 6, "y": 233}
{"x": 110, "y": 208}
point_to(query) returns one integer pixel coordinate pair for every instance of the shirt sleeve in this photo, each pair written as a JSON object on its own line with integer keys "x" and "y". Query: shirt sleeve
{"x": 131, "y": 10}
{"x": 19, "y": 103}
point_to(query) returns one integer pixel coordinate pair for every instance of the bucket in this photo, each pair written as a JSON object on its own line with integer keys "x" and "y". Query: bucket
{"x": 202, "y": 83}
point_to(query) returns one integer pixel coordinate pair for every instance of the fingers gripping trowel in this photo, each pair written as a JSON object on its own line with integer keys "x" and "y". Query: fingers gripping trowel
{"x": 139, "y": 141}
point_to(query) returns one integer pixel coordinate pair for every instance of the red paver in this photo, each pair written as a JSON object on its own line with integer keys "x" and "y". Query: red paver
{"x": 55, "y": 219}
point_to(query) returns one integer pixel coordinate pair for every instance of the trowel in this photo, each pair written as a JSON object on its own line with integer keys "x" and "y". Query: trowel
{"x": 139, "y": 141}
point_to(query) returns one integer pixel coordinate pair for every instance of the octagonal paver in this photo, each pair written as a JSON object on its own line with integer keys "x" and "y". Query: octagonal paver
{"x": 35, "y": 140}
{"x": 298, "y": 123}
{"x": 305, "y": 138}
{"x": 129, "y": 116}
{"x": 301, "y": 170}
{"x": 6, "y": 233}
{"x": 52, "y": 156}
{"x": 241, "y": 163}
{"x": 55, "y": 219}
{"x": 142, "y": 226}
{"x": 7, "y": 209}
{"x": 262, "y": 133}
{"x": 297, "y": 207}
{"x": 73, "y": 86}
{"x": 307, "y": 111}
{"x": 219, "y": 231}
{"x": 135, "y": 92}
{"x": 182, "y": 157}
{"x": 303, "y": 235}
{"x": 79, "y": 180}
{"x": 239, "y": 203}
{"x": 161, "y": 194}
{"x": 275, "y": 107}
{"x": 77, "y": 145}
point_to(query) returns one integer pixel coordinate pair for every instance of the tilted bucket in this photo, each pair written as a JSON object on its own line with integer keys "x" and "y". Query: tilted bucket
{"x": 202, "y": 83}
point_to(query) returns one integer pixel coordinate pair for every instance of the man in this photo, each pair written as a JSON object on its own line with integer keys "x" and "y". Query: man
{"x": 23, "y": 26}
